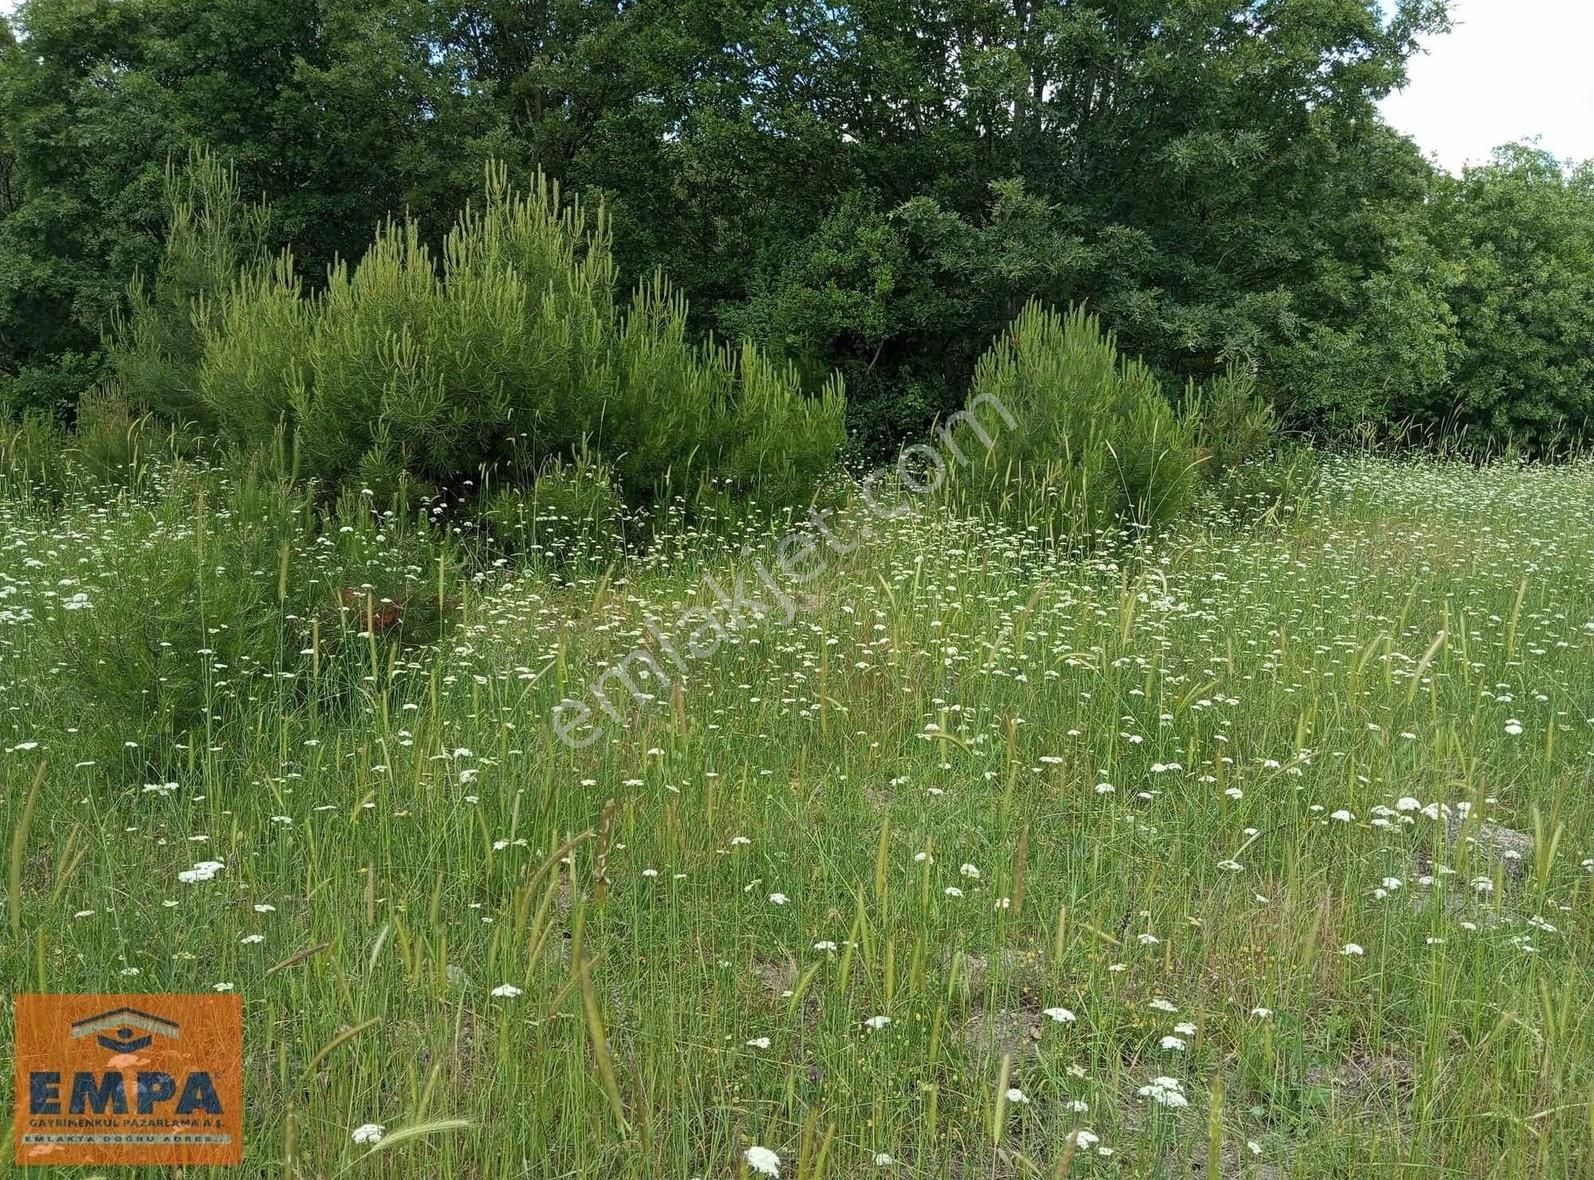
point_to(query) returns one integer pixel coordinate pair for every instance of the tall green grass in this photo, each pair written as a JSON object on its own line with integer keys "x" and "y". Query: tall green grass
{"x": 926, "y": 875}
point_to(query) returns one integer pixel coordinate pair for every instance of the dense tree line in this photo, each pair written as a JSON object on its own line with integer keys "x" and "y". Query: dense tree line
{"x": 872, "y": 188}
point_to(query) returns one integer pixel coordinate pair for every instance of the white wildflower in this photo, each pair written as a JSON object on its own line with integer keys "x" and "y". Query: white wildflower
{"x": 763, "y": 1161}
{"x": 1167, "y": 1092}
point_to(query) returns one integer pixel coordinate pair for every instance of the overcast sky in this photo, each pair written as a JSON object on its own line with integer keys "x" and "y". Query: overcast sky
{"x": 1512, "y": 69}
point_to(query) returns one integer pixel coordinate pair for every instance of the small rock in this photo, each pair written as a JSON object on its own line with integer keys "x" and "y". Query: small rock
{"x": 1488, "y": 843}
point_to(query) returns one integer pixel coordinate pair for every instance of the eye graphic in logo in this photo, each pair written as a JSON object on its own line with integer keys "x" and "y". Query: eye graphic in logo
{"x": 124, "y": 1030}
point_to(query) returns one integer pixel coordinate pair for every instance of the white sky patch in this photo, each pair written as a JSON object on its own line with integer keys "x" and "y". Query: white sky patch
{"x": 1510, "y": 70}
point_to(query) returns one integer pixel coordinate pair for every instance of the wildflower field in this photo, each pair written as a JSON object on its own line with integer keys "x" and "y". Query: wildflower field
{"x": 1257, "y": 849}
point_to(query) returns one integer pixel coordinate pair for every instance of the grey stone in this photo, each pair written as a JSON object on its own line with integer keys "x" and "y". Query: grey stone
{"x": 1486, "y": 844}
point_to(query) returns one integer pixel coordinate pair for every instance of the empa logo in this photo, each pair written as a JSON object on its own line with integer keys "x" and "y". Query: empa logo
{"x": 128, "y": 1079}
{"x": 124, "y": 1030}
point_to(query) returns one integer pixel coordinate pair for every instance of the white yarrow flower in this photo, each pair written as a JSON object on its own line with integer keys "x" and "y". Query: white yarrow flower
{"x": 1167, "y": 1092}
{"x": 763, "y": 1161}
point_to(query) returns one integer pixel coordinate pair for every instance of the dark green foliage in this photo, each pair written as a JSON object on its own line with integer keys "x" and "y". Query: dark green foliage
{"x": 903, "y": 300}
{"x": 1210, "y": 175}
{"x": 1516, "y": 240}
{"x": 872, "y": 188}
{"x": 50, "y": 385}
{"x": 1397, "y": 351}
{"x": 1092, "y": 445}
{"x": 869, "y": 189}
{"x": 1477, "y": 332}
{"x": 337, "y": 111}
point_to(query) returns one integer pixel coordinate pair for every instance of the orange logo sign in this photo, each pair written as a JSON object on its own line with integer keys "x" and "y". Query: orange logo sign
{"x": 129, "y": 1079}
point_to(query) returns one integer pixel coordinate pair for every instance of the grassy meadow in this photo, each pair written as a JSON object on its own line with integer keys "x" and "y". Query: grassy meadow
{"x": 991, "y": 861}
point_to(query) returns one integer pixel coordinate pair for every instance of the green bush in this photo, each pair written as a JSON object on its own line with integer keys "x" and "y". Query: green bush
{"x": 112, "y": 444}
{"x": 211, "y": 236}
{"x": 501, "y": 357}
{"x": 1092, "y": 446}
{"x": 218, "y": 588}
{"x": 173, "y": 616}
{"x": 1234, "y": 424}
{"x": 571, "y": 515}
{"x": 1273, "y": 488}
{"x": 109, "y": 446}
{"x": 33, "y": 454}
{"x": 51, "y": 386}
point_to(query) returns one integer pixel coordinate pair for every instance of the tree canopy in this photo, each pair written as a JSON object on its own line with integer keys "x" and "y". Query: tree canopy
{"x": 872, "y": 187}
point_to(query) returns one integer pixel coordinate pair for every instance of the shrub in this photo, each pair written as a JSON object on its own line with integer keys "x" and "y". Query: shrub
{"x": 156, "y": 347}
{"x": 501, "y": 357}
{"x": 1273, "y": 488}
{"x": 173, "y": 616}
{"x": 571, "y": 515}
{"x": 1092, "y": 445}
{"x": 714, "y": 423}
{"x": 33, "y": 455}
{"x": 217, "y": 589}
{"x": 50, "y": 386}
{"x": 108, "y": 446}
{"x": 1234, "y": 424}
{"x": 112, "y": 444}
